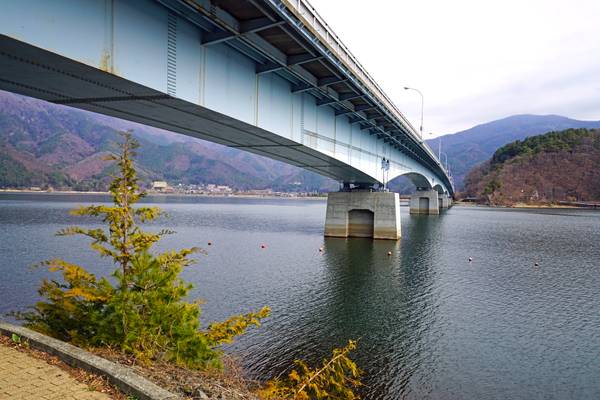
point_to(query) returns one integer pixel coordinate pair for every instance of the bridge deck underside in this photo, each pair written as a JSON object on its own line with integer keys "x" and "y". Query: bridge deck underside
{"x": 42, "y": 74}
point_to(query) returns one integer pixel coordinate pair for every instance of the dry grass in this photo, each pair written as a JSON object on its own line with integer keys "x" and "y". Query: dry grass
{"x": 227, "y": 384}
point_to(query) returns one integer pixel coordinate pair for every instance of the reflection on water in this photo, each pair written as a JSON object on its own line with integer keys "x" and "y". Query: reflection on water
{"x": 430, "y": 323}
{"x": 386, "y": 300}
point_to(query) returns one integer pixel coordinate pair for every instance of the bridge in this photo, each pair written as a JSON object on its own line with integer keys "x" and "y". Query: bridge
{"x": 265, "y": 76}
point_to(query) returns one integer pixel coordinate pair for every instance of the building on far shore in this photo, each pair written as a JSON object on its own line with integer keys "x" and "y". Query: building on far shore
{"x": 261, "y": 192}
{"x": 161, "y": 187}
{"x": 212, "y": 188}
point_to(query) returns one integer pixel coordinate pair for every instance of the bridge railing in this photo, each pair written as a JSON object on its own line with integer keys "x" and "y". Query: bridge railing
{"x": 310, "y": 16}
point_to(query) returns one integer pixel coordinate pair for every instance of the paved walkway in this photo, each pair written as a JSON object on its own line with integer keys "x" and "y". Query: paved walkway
{"x": 25, "y": 377}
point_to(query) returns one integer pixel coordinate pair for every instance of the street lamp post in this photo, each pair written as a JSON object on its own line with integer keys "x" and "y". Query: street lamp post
{"x": 446, "y": 157}
{"x": 421, "y": 127}
{"x": 422, "y": 106}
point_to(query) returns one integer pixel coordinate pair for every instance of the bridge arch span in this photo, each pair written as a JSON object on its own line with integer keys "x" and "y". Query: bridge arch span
{"x": 439, "y": 189}
{"x": 419, "y": 180}
{"x": 422, "y": 181}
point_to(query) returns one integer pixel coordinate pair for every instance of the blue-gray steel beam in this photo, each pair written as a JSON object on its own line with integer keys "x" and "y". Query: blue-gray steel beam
{"x": 291, "y": 61}
{"x": 319, "y": 84}
{"x": 343, "y": 112}
{"x": 258, "y": 24}
{"x": 302, "y": 87}
{"x": 330, "y": 80}
{"x": 374, "y": 128}
{"x": 268, "y": 67}
{"x": 85, "y": 100}
{"x": 275, "y": 55}
{"x": 341, "y": 97}
{"x": 364, "y": 107}
{"x": 250, "y": 26}
{"x": 303, "y": 58}
{"x": 186, "y": 11}
{"x": 207, "y": 8}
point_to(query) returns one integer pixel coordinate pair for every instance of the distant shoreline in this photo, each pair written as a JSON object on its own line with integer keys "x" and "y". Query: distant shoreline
{"x": 525, "y": 206}
{"x": 48, "y": 192}
{"x": 155, "y": 194}
{"x": 324, "y": 197}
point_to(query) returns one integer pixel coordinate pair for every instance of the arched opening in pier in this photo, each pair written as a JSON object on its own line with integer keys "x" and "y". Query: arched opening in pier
{"x": 424, "y": 203}
{"x": 361, "y": 223}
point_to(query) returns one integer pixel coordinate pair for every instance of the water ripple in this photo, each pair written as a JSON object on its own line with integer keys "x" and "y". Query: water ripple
{"x": 431, "y": 324}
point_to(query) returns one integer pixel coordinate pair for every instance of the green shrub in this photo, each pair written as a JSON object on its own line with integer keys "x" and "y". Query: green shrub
{"x": 335, "y": 379}
{"x": 143, "y": 313}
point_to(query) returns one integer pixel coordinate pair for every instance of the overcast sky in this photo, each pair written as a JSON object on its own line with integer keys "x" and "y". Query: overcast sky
{"x": 476, "y": 60}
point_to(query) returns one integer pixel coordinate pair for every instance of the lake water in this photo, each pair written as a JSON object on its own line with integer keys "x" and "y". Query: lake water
{"x": 431, "y": 324}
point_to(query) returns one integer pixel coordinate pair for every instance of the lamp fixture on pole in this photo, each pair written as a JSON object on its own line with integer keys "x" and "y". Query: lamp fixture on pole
{"x": 422, "y": 106}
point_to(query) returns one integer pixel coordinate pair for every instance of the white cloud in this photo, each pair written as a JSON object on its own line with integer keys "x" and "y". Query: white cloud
{"x": 476, "y": 60}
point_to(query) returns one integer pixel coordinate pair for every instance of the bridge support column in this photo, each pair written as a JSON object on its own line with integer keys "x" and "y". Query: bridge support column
{"x": 363, "y": 214}
{"x": 424, "y": 202}
{"x": 444, "y": 201}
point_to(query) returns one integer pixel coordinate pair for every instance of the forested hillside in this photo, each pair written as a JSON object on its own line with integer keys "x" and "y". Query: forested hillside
{"x": 556, "y": 166}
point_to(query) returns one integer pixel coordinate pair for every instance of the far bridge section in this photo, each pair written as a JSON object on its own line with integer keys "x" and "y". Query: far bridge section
{"x": 265, "y": 76}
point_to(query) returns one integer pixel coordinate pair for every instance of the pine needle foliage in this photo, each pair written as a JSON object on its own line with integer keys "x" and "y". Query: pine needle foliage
{"x": 224, "y": 332}
{"x": 335, "y": 379}
{"x": 143, "y": 312}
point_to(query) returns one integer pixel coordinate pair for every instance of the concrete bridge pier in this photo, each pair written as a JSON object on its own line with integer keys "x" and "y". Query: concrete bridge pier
{"x": 425, "y": 201}
{"x": 363, "y": 214}
{"x": 444, "y": 201}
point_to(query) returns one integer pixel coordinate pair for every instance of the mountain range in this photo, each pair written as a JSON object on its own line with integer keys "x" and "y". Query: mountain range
{"x": 43, "y": 144}
{"x": 470, "y": 147}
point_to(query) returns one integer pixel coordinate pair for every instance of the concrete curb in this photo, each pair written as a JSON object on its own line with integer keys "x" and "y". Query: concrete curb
{"x": 122, "y": 377}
